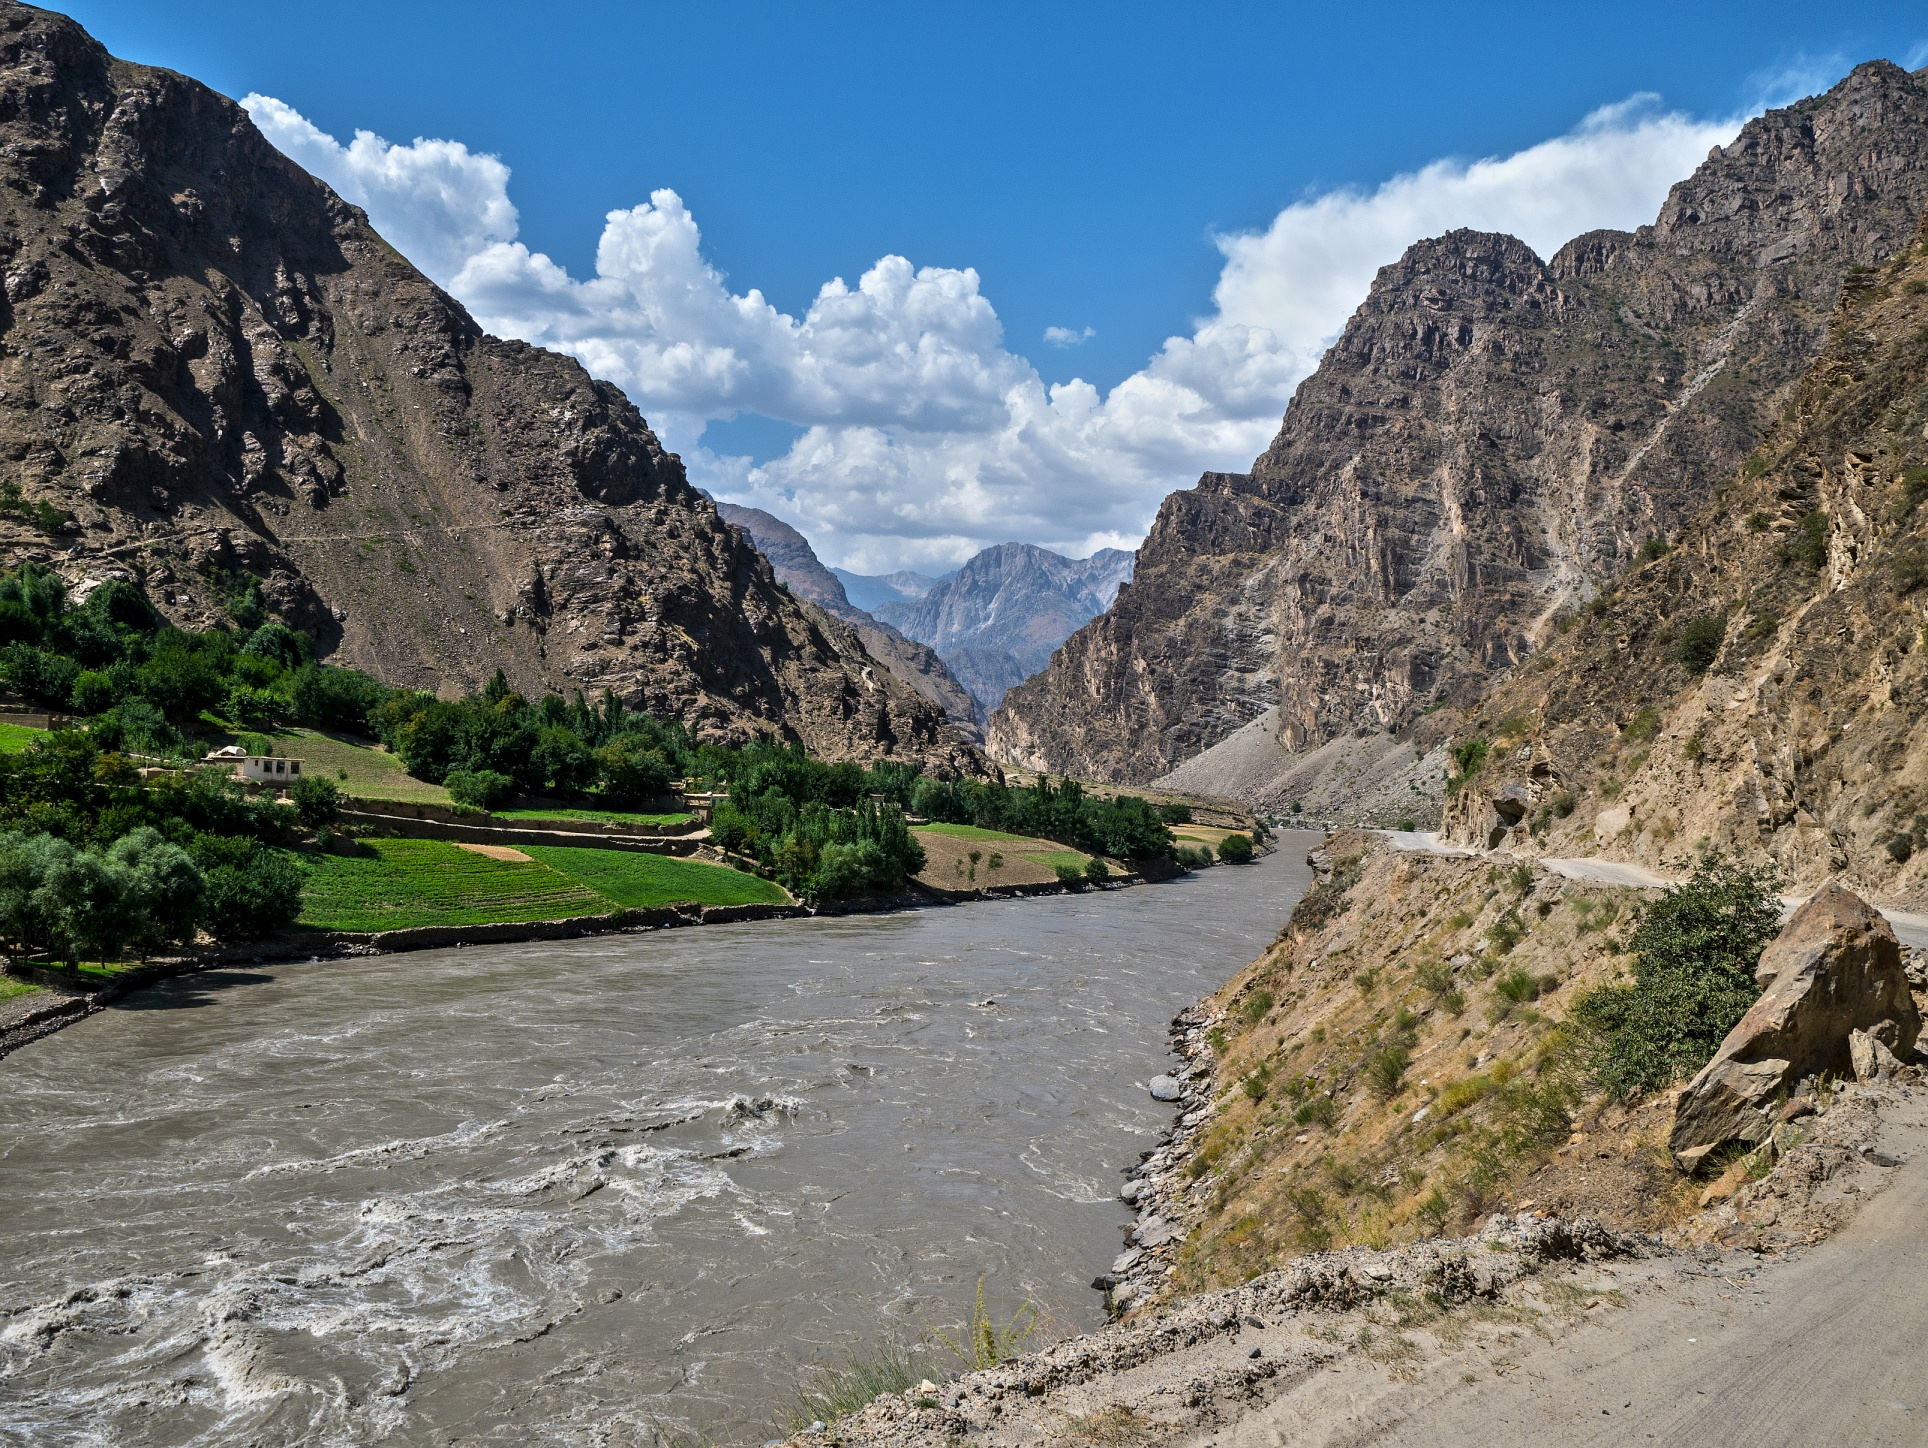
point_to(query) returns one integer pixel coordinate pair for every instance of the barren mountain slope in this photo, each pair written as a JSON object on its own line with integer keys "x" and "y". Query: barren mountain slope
{"x": 1802, "y": 592}
{"x": 800, "y": 570}
{"x": 1491, "y": 437}
{"x": 211, "y": 366}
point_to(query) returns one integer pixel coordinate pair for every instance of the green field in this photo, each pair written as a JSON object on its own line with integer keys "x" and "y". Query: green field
{"x": 402, "y": 883}
{"x": 372, "y": 773}
{"x": 642, "y": 882}
{"x": 16, "y": 737}
{"x": 599, "y": 816}
{"x": 1051, "y": 859}
{"x": 972, "y": 832}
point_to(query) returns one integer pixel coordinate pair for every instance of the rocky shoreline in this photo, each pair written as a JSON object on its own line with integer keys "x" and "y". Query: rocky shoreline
{"x": 26, "y": 1019}
{"x": 1157, "y": 1187}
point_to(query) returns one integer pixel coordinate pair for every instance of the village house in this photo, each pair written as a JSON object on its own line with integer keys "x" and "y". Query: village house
{"x": 270, "y": 769}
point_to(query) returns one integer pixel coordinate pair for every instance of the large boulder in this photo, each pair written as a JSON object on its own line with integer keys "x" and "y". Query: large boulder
{"x": 1833, "y": 971}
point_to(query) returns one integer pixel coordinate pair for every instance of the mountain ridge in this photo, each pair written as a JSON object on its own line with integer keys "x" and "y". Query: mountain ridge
{"x": 1491, "y": 438}
{"x": 212, "y": 368}
{"x": 803, "y": 573}
{"x": 999, "y": 617}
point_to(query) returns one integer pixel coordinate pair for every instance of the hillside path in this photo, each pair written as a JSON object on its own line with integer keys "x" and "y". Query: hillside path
{"x": 1911, "y": 928}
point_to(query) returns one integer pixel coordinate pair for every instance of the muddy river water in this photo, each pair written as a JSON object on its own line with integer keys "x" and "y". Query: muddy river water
{"x": 581, "y": 1193}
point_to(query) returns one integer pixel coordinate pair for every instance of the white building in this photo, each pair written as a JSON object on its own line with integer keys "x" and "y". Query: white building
{"x": 256, "y": 768}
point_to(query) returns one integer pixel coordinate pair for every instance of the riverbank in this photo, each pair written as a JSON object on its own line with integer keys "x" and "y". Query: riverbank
{"x": 580, "y": 1187}
{"x": 1534, "y": 1329}
{"x": 30, "y": 1017}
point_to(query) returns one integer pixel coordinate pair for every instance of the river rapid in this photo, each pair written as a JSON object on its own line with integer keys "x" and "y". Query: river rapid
{"x": 579, "y": 1193}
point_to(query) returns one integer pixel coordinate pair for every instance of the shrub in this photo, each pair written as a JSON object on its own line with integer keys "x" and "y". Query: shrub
{"x": 1236, "y": 850}
{"x": 252, "y": 891}
{"x": 1694, "y": 954}
{"x": 1914, "y": 488}
{"x": 1699, "y": 642}
{"x": 1386, "y": 1070}
{"x": 1506, "y": 932}
{"x": 1071, "y": 877}
{"x": 1807, "y": 545}
{"x": 1095, "y": 870}
{"x": 479, "y": 788}
{"x": 1257, "y": 1006}
{"x": 1910, "y": 568}
{"x": 1317, "y": 1111}
{"x": 317, "y": 801}
{"x": 1655, "y": 548}
{"x": 1468, "y": 755}
{"x": 1643, "y": 726}
{"x": 1193, "y": 857}
{"x": 1901, "y": 848}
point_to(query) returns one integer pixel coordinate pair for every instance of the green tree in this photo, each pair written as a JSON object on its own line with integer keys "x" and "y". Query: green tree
{"x": 1236, "y": 849}
{"x": 251, "y": 890}
{"x": 317, "y": 801}
{"x": 1694, "y": 952}
{"x": 161, "y": 888}
{"x": 630, "y": 772}
{"x": 479, "y": 788}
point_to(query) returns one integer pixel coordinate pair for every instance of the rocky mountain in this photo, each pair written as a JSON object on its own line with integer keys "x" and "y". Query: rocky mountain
{"x": 997, "y": 620}
{"x": 1764, "y": 685}
{"x": 211, "y": 367}
{"x": 1492, "y": 437}
{"x": 867, "y": 590}
{"x": 800, "y": 570}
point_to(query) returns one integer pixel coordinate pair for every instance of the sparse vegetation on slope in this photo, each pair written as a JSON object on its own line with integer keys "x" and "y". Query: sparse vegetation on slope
{"x": 1397, "y": 1065}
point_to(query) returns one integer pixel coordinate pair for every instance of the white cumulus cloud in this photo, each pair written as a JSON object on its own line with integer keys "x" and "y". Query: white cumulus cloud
{"x": 924, "y": 437}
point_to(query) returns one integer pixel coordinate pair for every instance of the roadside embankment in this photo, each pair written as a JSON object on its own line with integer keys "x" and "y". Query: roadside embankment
{"x": 1394, "y": 1065}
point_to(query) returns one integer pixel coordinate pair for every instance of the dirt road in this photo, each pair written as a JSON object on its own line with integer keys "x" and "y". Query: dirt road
{"x": 1827, "y": 1347}
{"x": 1909, "y": 927}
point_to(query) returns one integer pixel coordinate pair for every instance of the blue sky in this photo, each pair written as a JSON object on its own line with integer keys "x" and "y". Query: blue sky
{"x": 1079, "y": 159}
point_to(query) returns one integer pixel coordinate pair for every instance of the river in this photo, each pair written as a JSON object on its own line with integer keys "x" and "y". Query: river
{"x": 579, "y": 1193}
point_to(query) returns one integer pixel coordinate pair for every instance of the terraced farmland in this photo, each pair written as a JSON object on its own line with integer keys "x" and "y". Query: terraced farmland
{"x": 642, "y": 882}
{"x": 402, "y": 883}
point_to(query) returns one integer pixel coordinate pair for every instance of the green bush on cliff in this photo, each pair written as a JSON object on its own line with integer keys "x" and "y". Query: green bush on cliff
{"x": 1694, "y": 953}
{"x": 1236, "y": 849}
{"x": 1699, "y": 642}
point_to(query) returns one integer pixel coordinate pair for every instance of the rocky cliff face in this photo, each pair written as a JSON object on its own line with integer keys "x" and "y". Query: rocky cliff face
{"x": 211, "y": 366}
{"x": 1490, "y": 439}
{"x": 1763, "y": 686}
{"x": 997, "y": 620}
{"x": 799, "y": 569}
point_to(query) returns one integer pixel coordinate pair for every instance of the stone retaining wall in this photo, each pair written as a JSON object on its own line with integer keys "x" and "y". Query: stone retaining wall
{"x": 472, "y": 832}
{"x": 456, "y": 815}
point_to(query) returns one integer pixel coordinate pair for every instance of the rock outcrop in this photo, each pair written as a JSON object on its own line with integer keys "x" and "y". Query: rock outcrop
{"x": 799, "y": 569}
{"x": 1492, "y": 438}
{"x": 212, "y": 367}
{"x": 1765, "y": 683}
{"x": 1833, "y": 973}
{"x": 997, "y": 620}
